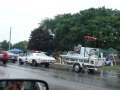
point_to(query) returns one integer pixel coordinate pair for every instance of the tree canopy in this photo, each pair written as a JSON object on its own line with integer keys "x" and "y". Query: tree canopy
{"x": 70, "y": 29}
{"x": 41, "y": 39}
{"x": 21, "y": 45}
{"x": 4, "y": 45}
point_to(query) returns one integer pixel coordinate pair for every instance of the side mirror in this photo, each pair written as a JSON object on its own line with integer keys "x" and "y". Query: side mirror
{"x": 23, "y": 84}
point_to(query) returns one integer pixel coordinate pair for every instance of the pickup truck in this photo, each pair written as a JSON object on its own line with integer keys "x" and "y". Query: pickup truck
{"x": 36, "y": 58}
{"x": 3, "y": 57}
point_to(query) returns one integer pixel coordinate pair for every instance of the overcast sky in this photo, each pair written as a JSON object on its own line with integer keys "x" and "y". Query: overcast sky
{"x": 24, "y": 15}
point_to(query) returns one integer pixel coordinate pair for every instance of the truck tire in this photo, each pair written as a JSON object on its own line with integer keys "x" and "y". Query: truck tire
{"x": 34, "y": 63}
{"x": 20, "y": 62}
{"x": 77, "y": 68}
{"x": 47, "y": 65}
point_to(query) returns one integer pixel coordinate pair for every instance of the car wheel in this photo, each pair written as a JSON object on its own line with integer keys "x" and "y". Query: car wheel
{"x": 77, "y": 68}
{"x": 13, "y": 61}
{"x": 20, "y": 62}
{"x": 4, "y": 62}
{"x": 46, "y": 65}
{"x": 34, "y": 63}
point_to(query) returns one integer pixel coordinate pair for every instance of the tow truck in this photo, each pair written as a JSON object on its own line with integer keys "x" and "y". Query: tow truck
{"x": 85, "y": 57}
{"x": 79, "y": 62}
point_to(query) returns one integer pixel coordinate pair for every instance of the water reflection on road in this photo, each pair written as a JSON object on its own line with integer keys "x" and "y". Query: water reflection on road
{"x": 112, "y": 79}
{"x": 108, "y": 80}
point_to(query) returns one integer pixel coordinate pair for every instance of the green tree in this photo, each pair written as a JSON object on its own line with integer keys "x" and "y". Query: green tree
{"x": 5, "y": 45}
{"x": 70, "y": 29}
{"x": 21, "y": 45}
{"x": 41, "y": 39}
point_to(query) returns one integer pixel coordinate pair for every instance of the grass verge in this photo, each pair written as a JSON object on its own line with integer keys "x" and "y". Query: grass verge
{"x": 117, "y": 67}
{"x": 111, "y": 67}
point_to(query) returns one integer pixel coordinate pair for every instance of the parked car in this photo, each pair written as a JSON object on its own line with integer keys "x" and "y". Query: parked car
{"x": 37, "y": 58}
{"x": 12, "y": 57}
{"x": 3, "y": 57}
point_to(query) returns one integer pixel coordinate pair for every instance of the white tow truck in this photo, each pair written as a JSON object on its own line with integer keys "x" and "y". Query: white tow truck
{"x": 89, "y": 60}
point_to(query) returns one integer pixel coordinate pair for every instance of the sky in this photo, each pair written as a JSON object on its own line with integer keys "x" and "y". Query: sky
{"x": 25, "y": 15}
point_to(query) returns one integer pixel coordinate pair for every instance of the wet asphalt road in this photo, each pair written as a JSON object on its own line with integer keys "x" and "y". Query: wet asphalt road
{"x": 64, "y": 80}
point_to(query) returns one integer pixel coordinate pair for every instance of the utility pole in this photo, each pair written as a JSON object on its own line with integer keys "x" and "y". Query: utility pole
{"x": 10, "y": 38}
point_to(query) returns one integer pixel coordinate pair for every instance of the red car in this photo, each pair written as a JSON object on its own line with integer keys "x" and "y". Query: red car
{"x": 3, "y": 57}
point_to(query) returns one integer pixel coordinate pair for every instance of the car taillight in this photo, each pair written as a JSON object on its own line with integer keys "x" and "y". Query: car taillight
{"x": 5, "y": 55}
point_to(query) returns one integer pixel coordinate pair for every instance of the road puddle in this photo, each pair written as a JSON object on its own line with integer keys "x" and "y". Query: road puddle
{"x": 106, "y": 79}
